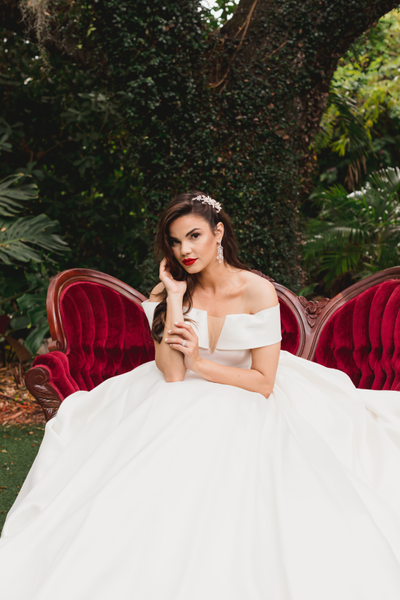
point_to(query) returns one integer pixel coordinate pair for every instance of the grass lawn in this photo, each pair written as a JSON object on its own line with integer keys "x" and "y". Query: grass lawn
{"x": 19, "y": 445}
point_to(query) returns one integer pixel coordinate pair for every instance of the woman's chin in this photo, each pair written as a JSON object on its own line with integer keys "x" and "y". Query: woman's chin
{"x": 193, "y": 269}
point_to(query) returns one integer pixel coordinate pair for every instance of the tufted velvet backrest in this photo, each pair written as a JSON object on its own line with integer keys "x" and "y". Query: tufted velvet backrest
{"x": 290, "y": 329}
{"x": 107, "y": 334}
{"x": 362, "y": 338}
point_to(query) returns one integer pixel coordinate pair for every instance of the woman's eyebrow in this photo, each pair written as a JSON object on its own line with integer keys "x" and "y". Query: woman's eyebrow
{"x": 192, "y": 231}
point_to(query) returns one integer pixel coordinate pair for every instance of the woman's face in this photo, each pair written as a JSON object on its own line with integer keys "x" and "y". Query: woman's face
{"x": 193, "y": 243}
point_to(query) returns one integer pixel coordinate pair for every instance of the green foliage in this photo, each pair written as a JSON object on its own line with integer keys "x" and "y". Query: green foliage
{"x": 360, "y": 130}
{"x": 190, "y": 136}
{"x": 71, "y": 139}
{"x": 132, "y": 119}
{"x": 35, "y": 307}
{"x": 18, "y": 236}
{"x": 23, "y": 240}
{"x": 357, "y": 233}
{"x": 29, "y": 316}
{"x": 9, "y": 193}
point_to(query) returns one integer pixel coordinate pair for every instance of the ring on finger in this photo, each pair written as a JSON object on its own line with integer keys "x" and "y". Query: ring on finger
{"x": 183, "y": 343}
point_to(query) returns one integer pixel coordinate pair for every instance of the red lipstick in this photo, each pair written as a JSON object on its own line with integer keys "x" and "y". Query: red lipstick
{"x": 189, "y": 261}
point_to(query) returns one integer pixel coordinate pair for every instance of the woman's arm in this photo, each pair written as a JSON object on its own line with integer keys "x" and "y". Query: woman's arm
{"x": 260, "y": 294}
{"x": 260, "y": 378}
{"x": 169, "y": 361}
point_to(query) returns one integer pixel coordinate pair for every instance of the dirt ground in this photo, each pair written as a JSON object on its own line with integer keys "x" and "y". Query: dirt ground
{"x": 17, "y": 405}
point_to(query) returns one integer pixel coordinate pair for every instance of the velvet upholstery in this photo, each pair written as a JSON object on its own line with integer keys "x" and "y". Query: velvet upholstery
{"x": 289, "y": 328}
{"x": 107, "y": 335}
{"x": 362, "y": 338}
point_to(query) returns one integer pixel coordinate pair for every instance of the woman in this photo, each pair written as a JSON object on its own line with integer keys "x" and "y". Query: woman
{"x": 215, "y": 472}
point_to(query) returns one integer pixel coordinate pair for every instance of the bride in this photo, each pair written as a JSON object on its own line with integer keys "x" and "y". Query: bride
{"x": 225, "y": 470}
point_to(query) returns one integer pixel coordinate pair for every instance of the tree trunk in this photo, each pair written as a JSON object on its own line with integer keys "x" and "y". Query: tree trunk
{"x": 309, "y": 37}
{"x": 232, "y": 113}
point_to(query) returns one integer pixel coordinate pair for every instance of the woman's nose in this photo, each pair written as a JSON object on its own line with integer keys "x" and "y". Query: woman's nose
{"x": 186, "y": 248}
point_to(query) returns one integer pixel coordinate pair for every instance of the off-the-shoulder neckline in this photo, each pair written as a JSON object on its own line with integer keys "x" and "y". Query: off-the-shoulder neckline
{"x": 230, "y": 315}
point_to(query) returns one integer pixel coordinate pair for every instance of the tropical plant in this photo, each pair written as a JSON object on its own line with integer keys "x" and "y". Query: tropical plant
{"x": 33, "y": 309}
{"x": 142, "y": 100}
{"x": 23, "y": 239}
{"x": 358, "y": 233}
{"x": 12, "y": 195}
{"x": 18, "y": 236}
{"x": 360, "y": 129}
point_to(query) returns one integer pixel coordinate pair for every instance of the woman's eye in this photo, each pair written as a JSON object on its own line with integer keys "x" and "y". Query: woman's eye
{"x": 173, "y": 242}
{"x": 195, "y": 235}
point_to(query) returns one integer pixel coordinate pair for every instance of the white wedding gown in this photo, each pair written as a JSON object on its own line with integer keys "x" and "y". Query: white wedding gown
{"x": 147, "y": 490}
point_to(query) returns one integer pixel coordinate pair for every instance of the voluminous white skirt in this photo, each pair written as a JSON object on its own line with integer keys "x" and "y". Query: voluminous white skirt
{"x": 149, "y": 490}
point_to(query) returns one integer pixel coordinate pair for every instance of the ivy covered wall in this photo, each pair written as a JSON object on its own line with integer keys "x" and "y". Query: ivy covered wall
{"x": 230, "y": 112}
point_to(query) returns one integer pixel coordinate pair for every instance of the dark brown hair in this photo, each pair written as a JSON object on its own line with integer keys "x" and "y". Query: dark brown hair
{"x": 180, "y": 206}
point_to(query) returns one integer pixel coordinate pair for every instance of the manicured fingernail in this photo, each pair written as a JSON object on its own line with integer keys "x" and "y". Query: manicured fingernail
{"x": 176, "y": 323}
{"x": 169, "y": 330}
{"x": 166, "y": 339}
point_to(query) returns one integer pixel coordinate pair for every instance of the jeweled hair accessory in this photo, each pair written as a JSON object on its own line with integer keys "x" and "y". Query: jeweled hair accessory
{"x": 210, "y": 201}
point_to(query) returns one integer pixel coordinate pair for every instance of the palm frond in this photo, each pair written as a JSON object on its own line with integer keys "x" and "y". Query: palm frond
{"x": 327, "y": 236}
{"x": 11, "y": 195}
{"x": 355, "y": 135}
{"x": 385, "y": 182}
{"x": 17, "y": 238}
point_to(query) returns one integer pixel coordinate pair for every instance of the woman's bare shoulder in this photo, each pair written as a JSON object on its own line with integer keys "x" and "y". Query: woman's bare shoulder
{"x": 259, "y": 293}
{"x": 157, "y": 293}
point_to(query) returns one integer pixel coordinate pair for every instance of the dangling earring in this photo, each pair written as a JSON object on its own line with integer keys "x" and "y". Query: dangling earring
{"x": 220, "y": 252}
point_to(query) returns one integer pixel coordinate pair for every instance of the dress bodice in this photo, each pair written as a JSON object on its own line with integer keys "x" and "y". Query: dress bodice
{"x": 229, "y": 341}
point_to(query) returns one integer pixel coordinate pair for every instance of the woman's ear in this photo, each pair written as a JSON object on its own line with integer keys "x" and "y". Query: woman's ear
{"x": 219, "y": 231}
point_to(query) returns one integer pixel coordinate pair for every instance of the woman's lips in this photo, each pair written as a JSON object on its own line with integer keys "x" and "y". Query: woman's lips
{"x": 189, "y": 261}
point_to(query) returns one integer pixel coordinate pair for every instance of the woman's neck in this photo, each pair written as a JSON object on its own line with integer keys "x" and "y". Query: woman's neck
{"x": 215, "y": 278}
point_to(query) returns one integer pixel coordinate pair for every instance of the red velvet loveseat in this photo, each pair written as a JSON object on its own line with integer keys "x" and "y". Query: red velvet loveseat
{"x": 99, "y": 330}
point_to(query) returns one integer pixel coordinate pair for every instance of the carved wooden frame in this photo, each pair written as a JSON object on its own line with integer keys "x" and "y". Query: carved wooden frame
{"x": 38, "y": 383}
{"x": 61, "y": 281}
{"x": 37, "y": 378}
{"x": 311, "y": 317}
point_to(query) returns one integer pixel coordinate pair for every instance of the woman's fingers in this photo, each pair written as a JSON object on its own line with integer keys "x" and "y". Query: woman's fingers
{"x": 184, "y": 349}
{"x": 184, "y": 329}
{"x": 179, "y": 344}
{"x": 181, "y": 333}
{"x": 162, "y": 265}
{"x": 175, "y": 340}
{"x": 184, "y": 325}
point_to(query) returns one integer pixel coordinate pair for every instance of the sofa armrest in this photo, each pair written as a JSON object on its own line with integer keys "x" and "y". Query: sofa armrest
{"x": 50, "y": 381}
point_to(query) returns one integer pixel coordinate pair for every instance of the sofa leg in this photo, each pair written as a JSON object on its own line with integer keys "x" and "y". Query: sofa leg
{"x": 37, "y": 382}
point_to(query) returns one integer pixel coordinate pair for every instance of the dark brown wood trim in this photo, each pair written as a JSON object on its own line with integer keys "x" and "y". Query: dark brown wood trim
{"x": 340, "y": 299}
{"x": 305, "y": 311}
{"x": 37, "y": 380}
{"x": 312, "y": 316}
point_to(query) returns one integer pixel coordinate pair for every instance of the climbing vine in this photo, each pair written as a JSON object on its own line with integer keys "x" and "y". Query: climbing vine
{"x": 232, "y": 115}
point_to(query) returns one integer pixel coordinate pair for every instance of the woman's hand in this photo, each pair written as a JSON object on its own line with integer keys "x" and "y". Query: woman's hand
{"x": 183, "y": 338}
{"x": 171, "y": 285}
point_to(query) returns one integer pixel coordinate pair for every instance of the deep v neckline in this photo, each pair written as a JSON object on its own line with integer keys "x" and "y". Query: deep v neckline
{"x": 215, "y": 326}
{"x": 235, "y": 331}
